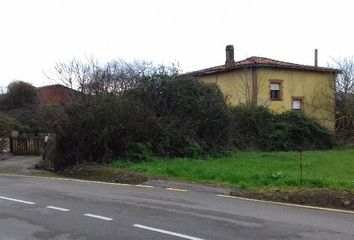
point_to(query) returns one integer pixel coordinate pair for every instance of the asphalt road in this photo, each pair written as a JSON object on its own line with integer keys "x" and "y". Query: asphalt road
{"x": 37, "y": 208}
{"x": 20, "y": 165}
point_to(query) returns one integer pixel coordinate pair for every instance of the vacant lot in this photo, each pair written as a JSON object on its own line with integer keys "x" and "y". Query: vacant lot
{"x": 332, "y": 169}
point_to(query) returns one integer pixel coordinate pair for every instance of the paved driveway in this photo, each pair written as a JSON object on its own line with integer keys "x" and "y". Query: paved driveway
{"x": 20, "y": 165}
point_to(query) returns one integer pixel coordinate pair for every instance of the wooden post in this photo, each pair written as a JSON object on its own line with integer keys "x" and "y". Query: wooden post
{"x": 11, "y": 144}
{"x": 301, "y": 169}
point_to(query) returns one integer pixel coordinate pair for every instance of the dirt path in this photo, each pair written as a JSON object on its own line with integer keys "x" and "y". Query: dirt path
{"x": 20, "y": 165}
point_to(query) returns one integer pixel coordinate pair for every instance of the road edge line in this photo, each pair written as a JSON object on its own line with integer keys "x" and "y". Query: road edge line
{"x": 66, "y": 179}
{"x": 288, "y": 204}
{"x": 176, "y": 189}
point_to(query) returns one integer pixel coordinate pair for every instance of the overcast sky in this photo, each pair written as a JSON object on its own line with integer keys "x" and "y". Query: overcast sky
{"x": 35, "y": 34}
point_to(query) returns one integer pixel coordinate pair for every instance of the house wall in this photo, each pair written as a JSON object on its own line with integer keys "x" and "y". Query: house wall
{"x": 236, "y": 86}
{"x": 54, "y": 94}
{"x": 316, "y": 88}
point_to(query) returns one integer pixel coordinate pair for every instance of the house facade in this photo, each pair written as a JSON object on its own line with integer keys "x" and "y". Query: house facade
{"x": 278, "y": 85}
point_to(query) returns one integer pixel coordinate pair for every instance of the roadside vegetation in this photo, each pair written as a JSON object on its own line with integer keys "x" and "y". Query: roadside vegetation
{"x": 129, "y": 111}
{"x": 134, "y": 120}
{"x": 18, "y": 110}
{"x": 331, "y": 169}
{"x": 135, "y": 112}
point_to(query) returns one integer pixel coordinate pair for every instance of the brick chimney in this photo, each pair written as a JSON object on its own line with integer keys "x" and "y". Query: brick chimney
{"x": 229, "y": 56}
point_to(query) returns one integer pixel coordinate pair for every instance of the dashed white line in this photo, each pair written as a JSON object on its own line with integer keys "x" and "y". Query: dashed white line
{"x": 98, "y": 216}
{"x": 58, "y": 208}
{"x": 167, "y": 232}
{"x": 144, "y": 186}
{"x": 177, "y": 189}
{"x": 17, "y": 200}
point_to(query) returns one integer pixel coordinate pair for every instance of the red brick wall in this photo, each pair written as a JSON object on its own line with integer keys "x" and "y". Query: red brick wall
{"x": 54, "y": 94}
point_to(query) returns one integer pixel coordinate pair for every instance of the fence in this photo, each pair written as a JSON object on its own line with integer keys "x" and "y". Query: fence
{"x": 27, "y": 145}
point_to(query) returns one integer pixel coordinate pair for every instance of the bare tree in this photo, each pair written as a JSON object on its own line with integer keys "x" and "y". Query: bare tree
{"x": 244, "y": 88}
{"x": 337, "y": 98}
{"x": 345, "y": 98}
{"x": 115, "y": 77}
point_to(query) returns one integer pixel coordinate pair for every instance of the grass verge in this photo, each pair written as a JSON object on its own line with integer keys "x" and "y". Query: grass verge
{"x": 333, "y": 169}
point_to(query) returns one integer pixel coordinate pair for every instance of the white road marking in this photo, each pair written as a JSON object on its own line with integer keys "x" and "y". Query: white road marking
{"x": 65, "y": 179}
{"x": 98, "y": 216}
{"x": 167, "y": 232}
{"x": 17, "y": 200}
{"x": 144, "y": 186}
{"x": 288, "y": 204}
{"x": 59, "y": 209}
{"x": 177, "y": 189}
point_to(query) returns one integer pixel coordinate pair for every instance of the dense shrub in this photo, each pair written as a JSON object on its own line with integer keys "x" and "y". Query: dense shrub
{"x": 180, "y": 122}
{"x": 7, "y": 124}
{"x": 19, "y": 103}
{"x": 100, "y": 130}
{"x": 30, "y": 120}
{"x": 193, "y": 117}
{"x": 174, "y": 118}
{"x": 259, "y": 128}
{"x": 20, "y": 95}
{"x": 135, "y": 113}
{"x": 249, "y": 125}
{"x": 300, "y": 133}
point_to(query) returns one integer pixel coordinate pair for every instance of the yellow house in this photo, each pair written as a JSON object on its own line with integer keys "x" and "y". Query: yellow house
{"x": 279, "y": 85}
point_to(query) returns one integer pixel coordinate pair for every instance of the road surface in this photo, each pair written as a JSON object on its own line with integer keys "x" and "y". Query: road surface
{"x": 39, "y": 208}
{"x": 20, "y": 164}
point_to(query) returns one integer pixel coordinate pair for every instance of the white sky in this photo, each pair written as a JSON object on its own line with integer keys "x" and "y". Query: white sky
{"x": 37, "y": 33}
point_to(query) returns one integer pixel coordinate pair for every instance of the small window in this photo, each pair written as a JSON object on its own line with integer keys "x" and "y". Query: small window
{"x": 275, "y": 91}
{"x": 297, "y": 103}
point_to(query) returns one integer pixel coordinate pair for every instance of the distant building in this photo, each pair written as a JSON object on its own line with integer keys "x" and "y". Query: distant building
{"x": 279, "y": 85}
{"x": 55, "y": 94}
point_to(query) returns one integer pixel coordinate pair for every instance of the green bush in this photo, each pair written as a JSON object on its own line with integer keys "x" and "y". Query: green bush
{"x": 249, "y": 125}
{"x": 8, "y": 124}
{"x": 190, "y": 115}
{"x": 174, "y": 118}
{"x": 20, "y": 95}
{"x": 31, "y": 120}
{"x": 19, "y": 102}
{"x": 259, "y": 128}
{"x": 97, "y": 131}
{"x": 295, "y": 131}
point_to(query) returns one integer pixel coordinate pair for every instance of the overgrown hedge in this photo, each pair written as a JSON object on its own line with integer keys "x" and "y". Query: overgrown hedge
{"x": 175, "y": 118}
{"x": 19, "y": 104}
{"x": 259, "y": 128}
{"x": 7, "y": 124}
{"x": 171, "y": 117}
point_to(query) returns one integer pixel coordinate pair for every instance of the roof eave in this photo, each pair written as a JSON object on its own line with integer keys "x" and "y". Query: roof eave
{"x": 319, "y": 69}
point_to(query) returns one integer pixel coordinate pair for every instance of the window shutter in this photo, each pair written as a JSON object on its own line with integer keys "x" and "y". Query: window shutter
{"x": 274, "y": 86}
{"x": 296, "y": 104}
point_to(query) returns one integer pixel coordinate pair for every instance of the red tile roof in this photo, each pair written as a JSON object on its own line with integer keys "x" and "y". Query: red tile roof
{"x": 261, "y": 62}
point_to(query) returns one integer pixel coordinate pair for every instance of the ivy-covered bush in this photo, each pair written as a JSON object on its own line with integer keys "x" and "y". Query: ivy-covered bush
{"x": 259, "y": 128}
